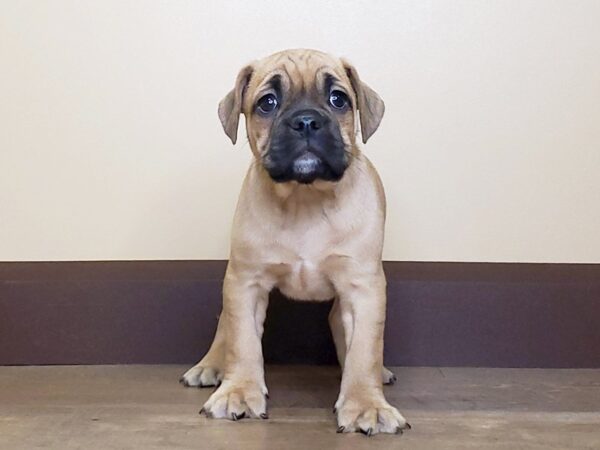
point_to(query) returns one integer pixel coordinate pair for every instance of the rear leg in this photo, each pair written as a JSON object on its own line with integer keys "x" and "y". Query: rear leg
{"x": 209, "y": 370}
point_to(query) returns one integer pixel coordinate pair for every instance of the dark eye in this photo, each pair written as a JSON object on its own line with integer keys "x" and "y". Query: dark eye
{"x": 338, "y": 99}
{"x": 267, "y": 104}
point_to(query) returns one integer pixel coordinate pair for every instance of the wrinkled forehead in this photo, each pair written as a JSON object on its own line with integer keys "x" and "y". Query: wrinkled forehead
{"x": 298, "y": 72}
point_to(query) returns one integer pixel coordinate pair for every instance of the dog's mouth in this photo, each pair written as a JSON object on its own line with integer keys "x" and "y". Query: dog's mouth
{"x": 307, "y": 167}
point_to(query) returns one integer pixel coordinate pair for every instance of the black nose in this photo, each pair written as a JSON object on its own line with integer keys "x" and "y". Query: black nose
{"x": 306, "y": 121}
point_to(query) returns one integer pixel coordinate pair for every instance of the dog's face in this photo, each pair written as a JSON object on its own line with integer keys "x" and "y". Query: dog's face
{"x": 300, "y": 108}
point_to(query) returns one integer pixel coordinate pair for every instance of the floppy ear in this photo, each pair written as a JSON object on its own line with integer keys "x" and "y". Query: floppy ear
{"x": 230, "y": 107}
{"x": 370, "y": 105}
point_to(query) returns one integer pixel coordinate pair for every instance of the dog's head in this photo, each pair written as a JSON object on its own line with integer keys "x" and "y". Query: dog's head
{"x": 300, "y": 108}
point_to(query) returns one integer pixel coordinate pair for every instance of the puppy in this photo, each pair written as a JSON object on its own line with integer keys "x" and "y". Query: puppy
{"x": 310, "y": 222}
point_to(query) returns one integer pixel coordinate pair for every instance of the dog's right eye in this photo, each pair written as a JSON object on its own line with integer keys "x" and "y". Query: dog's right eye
{"x": 267, "y": 104}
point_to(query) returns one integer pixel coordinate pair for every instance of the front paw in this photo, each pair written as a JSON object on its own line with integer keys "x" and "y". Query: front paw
{"x": 237, "y": 399}
{"x": 368, "y": 413}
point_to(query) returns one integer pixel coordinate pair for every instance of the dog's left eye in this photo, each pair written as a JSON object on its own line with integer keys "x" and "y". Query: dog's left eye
{"x": 267, "y": 104}
{"x": 338, "y": 99}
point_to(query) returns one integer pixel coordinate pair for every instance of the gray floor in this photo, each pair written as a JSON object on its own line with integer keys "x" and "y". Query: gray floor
{"x": 123, "y": 407}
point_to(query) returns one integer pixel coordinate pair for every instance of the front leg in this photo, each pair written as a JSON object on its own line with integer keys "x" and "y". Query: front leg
{"x": 361, "y": 405}
{"x": 242, "y": 392}
{"x": 209, "y": 371}
{"x": 339, "y": 339}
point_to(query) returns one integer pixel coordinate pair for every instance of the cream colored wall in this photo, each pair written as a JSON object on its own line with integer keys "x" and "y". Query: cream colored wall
{"x": 110, "y": 146}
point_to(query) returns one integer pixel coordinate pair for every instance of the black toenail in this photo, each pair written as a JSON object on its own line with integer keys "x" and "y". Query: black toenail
{"x": 264, "y": 416}
{"x": 334, "y": 410}
{"x": 341, "y": 429}
{"x": 201, "y": 411}
{"x": 407, "y": 425}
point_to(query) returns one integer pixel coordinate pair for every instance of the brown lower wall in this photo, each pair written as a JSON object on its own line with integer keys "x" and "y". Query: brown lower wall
{"x": 439, "y": 314}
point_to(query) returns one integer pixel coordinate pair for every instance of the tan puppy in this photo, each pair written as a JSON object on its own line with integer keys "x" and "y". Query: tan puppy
{"x": 309, "y": 221}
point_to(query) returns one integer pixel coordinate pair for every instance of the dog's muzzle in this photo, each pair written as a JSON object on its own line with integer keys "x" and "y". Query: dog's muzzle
{"x": 306, "y": 145}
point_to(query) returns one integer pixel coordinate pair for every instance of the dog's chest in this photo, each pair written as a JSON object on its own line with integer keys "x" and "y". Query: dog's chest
{"x": 304, "y": 280}
{"x": 300, "y": 250}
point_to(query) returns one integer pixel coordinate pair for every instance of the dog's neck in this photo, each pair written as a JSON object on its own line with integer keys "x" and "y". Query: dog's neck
{"x": 318, "y": 195}
{"x": 310, "y": 192}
